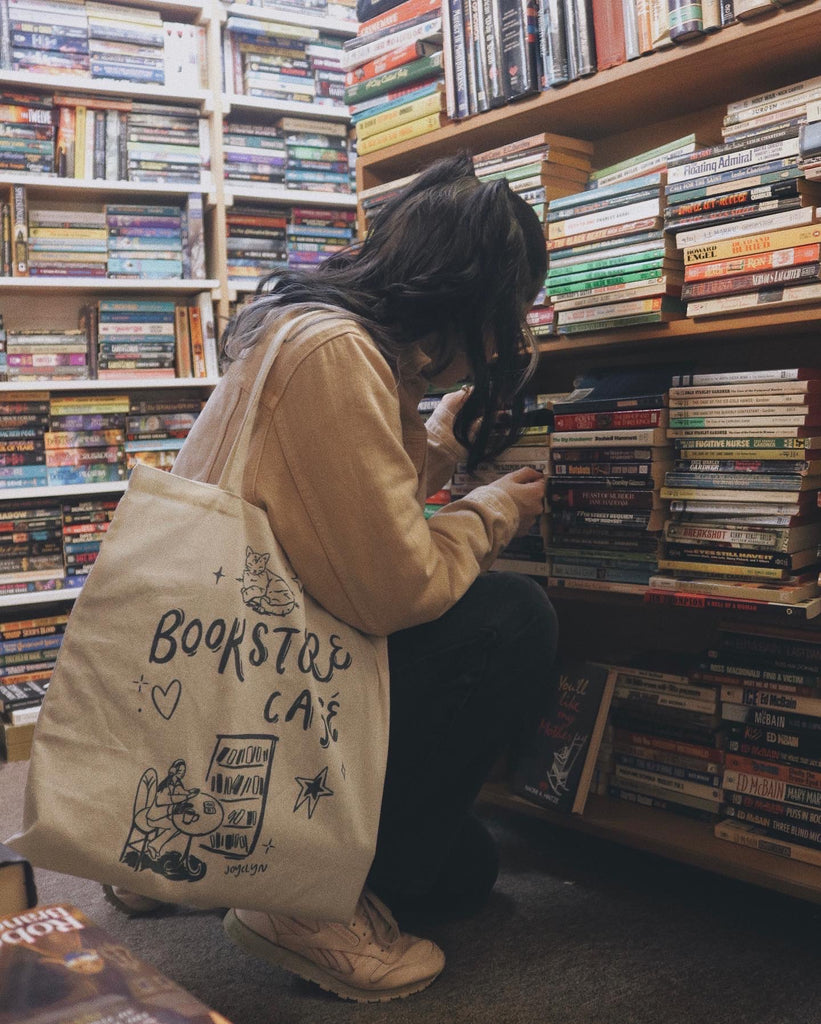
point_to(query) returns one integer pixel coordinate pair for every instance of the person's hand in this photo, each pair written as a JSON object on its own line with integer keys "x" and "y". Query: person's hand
{"x": 527, "y": 488}
{"x": 452, "y": 401}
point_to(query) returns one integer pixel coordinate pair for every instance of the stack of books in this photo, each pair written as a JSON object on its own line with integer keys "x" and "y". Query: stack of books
{"x": 393, "y": 67}
{"x": 611, "y": 264}
{"x": 325, "y": 65}
{"x": 49, "y": 38}
{"x": 125, "y": 43}
{"x": 771, "y": 705}
{"x": 318, "y": 155}
{"x": 24, "y": 418}
{"x": 742, "y": 211}
{"x": 136, "y": 338}
{"x": 269, "y": 59}
{"x": 524, "y": 554}
{"x": 540, "y": 168}
{"x": 67, "y": 243}
{"x": 84, "y": 526}
{"x": 36, "y": 355}
{"x": 28, "y": 133}
{"x": 253, "y": 153}
{"x": 609, "y": 453}
{"x": 31, "y": 548}
{"x": 84, "y": 456}
{"x": 157, "y": 426}
{"x": 144, "y": 241}
{"x": 314, "y": 233}
{"x": 255, "y": 242}
{"x": 809, "y": 137}
{"x": 744, "y": 519}
{"x": 667, "y": 737}
{"x": 402, "y": 47}
{"x": 28, "y": 650}
{"x": 165, "y": 143}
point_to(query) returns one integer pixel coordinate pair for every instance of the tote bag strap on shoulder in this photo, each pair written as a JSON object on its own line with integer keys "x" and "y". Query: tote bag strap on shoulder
{"x": 231, "y": 477}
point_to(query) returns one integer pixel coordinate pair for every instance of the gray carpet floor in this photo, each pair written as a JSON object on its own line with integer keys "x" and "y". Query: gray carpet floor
{"x": 578, "y": 931}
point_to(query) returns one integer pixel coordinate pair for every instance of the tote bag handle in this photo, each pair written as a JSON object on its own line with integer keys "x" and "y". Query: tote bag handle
{"x": 232, "y": 473}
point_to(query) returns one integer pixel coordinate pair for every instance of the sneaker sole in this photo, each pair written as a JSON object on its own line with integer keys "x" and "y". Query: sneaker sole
{"x": 264, "y": 949}
{"x": 111, "y": 897}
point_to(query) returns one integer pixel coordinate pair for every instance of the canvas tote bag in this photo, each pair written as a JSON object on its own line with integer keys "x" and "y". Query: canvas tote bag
{"x": 211, "y": 735}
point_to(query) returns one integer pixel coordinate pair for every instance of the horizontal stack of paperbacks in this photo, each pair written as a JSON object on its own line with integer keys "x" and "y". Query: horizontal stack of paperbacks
{"x": 113, "y": 139}
{"x": 117, "y": 338}
{"x": 130, "y": 241}
{"x": 731, "y": 737}
{"x": 394, "y": 73}
{"x": 101, "y": 41}
{"x": 689, "y": 229}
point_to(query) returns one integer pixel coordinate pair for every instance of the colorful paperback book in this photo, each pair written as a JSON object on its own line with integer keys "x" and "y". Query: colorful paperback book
{"x": 555, "y": 768}
{"x": 58, "y": 967}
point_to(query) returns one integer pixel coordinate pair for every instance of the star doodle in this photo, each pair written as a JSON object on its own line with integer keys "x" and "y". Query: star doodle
{"x": 140, "y": 683}
{"x": 269, "y": 846}
{"x": 310, "y": 790}
{"x": 218, "y": 575}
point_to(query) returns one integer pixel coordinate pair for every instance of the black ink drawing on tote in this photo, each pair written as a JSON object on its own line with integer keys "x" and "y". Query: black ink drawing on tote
{"x": 311, "y": 789}
{"x": 563, "y": 760}
{"x": 263, "y": 590}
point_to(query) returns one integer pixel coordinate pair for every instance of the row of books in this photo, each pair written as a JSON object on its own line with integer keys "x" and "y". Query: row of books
{"x": 96, "y": 438}
{"x": 338, "y": 10}
{"x": 79, "y": 136}
{"x": 282, "y": 62}
{"x": 728, "y": 736}
{"x": 704, "y": 493}
{"x": 394, "y": 75}
{"x": 692, "y": 230}
{"x": 262, "y": 239}
{"x": 101, "y": 41}
{"x": 294, "y": 152}
{"x": 120, "y": 240}
{"x": 117, "y": 338}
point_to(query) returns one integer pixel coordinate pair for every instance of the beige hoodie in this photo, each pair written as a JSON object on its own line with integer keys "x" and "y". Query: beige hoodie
{"x": 342, "y": 463}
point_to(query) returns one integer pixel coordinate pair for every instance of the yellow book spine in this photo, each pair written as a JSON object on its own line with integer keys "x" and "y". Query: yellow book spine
{"x": 401, "y": 133}
{"x": 80, "y": 142}
{"x": 369, "y": 126}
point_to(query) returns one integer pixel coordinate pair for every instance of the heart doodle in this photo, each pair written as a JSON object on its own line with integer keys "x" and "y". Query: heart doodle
{"x": 166, "y": 700}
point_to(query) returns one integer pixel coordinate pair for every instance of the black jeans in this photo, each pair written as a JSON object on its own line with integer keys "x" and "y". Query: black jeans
{"x": 462, "y": 689}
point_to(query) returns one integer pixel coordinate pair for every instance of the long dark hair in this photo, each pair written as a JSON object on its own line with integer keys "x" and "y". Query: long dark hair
{"x": 449, "y": 260}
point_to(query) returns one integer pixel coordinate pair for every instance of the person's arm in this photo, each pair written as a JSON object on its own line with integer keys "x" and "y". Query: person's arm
{"x": 341, "y": 494}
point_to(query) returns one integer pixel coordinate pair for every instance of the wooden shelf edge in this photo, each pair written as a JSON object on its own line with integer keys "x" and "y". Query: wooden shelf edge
{"x": 675, "y": 838}
{"x": 721, "y": 63}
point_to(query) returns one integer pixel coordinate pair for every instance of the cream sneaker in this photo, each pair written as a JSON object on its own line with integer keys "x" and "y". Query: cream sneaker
{"x": 368, "y": 961}
{"x": 131, "y": 903}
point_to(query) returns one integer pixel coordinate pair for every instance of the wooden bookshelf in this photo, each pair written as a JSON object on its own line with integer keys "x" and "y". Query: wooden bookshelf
{"x": 674, "y": 837}
{"x": 624, "y": 111}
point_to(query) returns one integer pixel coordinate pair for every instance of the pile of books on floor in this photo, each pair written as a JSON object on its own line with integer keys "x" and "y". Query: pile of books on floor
{"x": 609, "y": 453}
{"x": 611, "y": 264}
{"x": 667, "y": 735}
{"x": 744, "y": 522}
{"x": 156, "y": 426}
{"x": 743, "y": 213}
{"x": 256, "y": 243}
{"x": 85, "y": 522}
{"x": 28, "y": 650}
{"x": 314, "y": 233}
{"x": 394, "y": 74}
{"x": 771, "y": 707}
{"x": 282, "y": 62}
{"x": 397, "y": 52}
{"x": 28, "y": 133}
{"x": 318, "y": 155}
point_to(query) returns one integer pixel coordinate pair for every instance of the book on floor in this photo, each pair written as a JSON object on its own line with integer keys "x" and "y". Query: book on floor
{"x": 17, "y": 890}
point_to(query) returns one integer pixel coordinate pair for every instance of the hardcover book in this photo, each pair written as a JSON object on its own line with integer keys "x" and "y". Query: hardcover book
{"x": 58, "y": 967}
{"x": 555, "y": 768}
